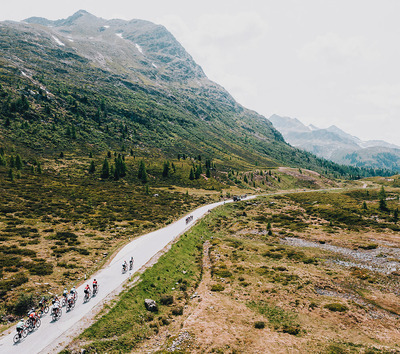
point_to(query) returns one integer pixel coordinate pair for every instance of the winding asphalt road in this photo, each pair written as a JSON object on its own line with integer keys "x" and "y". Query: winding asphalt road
{"x": 109, "y": 278}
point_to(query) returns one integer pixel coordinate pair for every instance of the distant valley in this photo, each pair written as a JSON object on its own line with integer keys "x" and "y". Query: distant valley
{"x": 336, "y": 145}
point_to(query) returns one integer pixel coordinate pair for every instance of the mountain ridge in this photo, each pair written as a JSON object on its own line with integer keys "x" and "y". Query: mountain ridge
{"x": 337, "y": 145}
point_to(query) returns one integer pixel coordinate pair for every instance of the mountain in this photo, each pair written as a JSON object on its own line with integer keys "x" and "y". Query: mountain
{"x": 336, "y": 145}
{"x": 88, "y": 84}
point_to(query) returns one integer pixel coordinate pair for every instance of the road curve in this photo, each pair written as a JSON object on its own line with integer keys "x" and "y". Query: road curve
{"x": 109, "y": 278}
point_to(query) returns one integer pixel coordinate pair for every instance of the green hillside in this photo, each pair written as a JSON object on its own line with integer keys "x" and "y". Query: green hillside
{"x": 86, "y": 84}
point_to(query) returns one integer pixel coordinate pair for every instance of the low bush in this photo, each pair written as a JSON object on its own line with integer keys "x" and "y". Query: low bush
{"x": 177, "y": 311}
{"x": 336, "y": 307}
{"x": 22, "y": 305}
{"x": 259, "y": 324}
{"x": 217, "y": 287}
{"x": 166, "y": 299}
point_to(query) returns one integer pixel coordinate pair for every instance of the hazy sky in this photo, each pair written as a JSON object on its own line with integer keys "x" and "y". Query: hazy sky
{"x": 324, "y": 62}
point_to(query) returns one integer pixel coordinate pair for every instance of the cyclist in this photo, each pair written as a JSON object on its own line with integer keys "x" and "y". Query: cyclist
{"x": 94, "y": 285}
{"x": 56, "y": 304}
{"x": 55, "y": 299}
{"x": 70, "y": 300}
{"x": 131, "y": 263}
{"x": 87, "y": 290}
{"x": 124, "y": 266}
{"x": 20, "y": 327}
{"x": 33, "y": 317}
{"x": 73, "y": 292}
{"x": 42, "y": 302}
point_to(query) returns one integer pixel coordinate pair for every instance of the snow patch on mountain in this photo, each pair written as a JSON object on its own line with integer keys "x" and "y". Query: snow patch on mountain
{"x": 139, "y": 48}
{"x": 120, "y": 35}
{"x": 58, "y": 41}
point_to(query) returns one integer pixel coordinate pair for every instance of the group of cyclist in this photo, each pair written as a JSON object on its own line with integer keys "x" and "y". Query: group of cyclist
{"x": 68, "y": 300}
{"x": 189, "y": 219}
{"x": 125, "y": 265}
{"x": 88, "y": 291}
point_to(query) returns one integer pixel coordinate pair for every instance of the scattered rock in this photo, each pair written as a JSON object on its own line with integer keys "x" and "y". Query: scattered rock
{"x": 183, "y": 337}
{"x": 150, "y": 305}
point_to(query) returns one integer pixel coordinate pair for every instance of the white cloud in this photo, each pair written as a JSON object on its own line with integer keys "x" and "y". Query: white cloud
{"x": 384, "y": 96}
{"x": 238, "y": 27}
{"x": 333, "y": 49}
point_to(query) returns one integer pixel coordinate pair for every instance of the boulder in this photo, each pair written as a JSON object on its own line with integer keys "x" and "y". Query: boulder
{"x": 150, "y": 305}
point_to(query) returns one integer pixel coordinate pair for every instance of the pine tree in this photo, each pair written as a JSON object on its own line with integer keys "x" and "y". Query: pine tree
{"x": 12, "y": 161}
{"x": 39, "y": 168}
{"x": 142, "y": 173}
{"x": 11, "y": 174}
{"x": 146, "y": 189}
{"x": 245, "y": 179}
{"x": 208, "y": 173}
{"x": 90, "y": 155}
{"x": 383, "y": 205}
{"x": 173, "y": 167}
{"x": 61, "y": 155}
{"x": 120, "y": 168}
{"x": 109, "y": 154}
{"x": 105, "y": 171}
{"x": 166, "y": 169}
{"x": 382, "y": 193}
{"x": 396, "y": 215}
{"x": 198, "y": 172}
{"x": 364, "y": 205}
{"x": 92, "y": 168}
{"x": 191, "y": 174}
{"x": 73, "y": 132}
{"x": 18, "y": 162}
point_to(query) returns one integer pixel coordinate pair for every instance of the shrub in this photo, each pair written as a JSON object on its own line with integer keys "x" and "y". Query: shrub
{"x": 39, "y": 267}
{"x": 217, "y": 287}
{"x": 259, "y": 324}
{"x": 23, "y": 303}
{"x": 336, "y": 307}
{"x": 166, "y": 300}
{"x": 291, "y": 329}
{"x": 223, "y": 273}
{"x": 370, "y": 246}
{"x": 177, "y": 311}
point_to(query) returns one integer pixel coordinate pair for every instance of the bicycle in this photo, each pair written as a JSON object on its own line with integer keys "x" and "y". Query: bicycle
{"x": 56, "y": 313}
{"x": 70, "y": 304}
{"x": 32, "y": 324}
{"x": 20, "y": 335}
{"x": 95, "y": 290}
{"x": 88, "y": 295}
{"x": 42, "y": 310}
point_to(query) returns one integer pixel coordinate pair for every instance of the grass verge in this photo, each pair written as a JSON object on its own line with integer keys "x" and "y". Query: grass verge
{"x": 176, "y": 274}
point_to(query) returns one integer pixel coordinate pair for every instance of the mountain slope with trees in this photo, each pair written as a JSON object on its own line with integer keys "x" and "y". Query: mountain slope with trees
{"x": 85, "y": 83}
